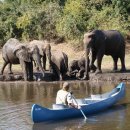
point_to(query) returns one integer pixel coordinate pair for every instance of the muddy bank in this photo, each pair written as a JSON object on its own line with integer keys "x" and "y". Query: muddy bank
{"x": 105, "y": 76}
{"x": 37, "y": 76}
{"x": 110, "y": 77}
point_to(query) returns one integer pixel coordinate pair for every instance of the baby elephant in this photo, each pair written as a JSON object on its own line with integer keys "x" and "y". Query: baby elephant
{"x": 77, "y": 68}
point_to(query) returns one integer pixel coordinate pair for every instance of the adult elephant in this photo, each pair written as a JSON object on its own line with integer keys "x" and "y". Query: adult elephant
{"x": 76, "y": 68}
{"x": 100, "y": 42}
{"x": 35, "y": 56}
{"x": 13, "y": 52}
{"x": 44, "y": 50}
{"x": 59, "y": 62}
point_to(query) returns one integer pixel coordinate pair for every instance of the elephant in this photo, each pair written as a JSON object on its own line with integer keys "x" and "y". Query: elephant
{"x": 35, "y": 56}
{"x": 44, "y": 50}
{"x": 100, "y": 43}
{"x": 76, "y": 68}
{"x": 59, "y": 62}
{"x": 14, "y": 52}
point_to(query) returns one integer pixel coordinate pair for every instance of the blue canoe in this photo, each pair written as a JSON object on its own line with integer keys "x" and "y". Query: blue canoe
{"x": 91, "y": 105}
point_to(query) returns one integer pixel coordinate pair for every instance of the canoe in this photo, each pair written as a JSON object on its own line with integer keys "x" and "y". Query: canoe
{"x": 90, "y": 105}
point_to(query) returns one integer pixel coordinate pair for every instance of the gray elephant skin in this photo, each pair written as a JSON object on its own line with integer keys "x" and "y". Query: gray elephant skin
{"x": 99, "y": 43}
{"x": 13, "y": 52}
{"x": 59, "y": 62}
{"x": 76, "y": 68}
{"x": 34, "y": 53}
{"x": 44, "y": 50}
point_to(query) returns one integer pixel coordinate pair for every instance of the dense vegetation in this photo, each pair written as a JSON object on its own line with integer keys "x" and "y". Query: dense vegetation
{"x": 61, "y": 19}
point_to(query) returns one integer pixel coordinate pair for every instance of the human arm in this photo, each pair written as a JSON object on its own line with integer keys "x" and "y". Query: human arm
{"x": 71, "y": 101}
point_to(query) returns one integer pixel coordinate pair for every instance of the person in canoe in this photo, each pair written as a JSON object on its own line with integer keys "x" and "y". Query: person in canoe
{"x": 65, "y": 97}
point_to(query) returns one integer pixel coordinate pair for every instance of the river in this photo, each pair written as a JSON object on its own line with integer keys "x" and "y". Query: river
{"x": 16, "y": 99}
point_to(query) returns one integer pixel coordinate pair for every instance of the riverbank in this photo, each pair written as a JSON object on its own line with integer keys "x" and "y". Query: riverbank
{"x": 75, "y": 53}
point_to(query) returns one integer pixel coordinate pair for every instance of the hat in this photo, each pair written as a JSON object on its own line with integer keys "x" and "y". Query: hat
{"x": 66, "y": 85}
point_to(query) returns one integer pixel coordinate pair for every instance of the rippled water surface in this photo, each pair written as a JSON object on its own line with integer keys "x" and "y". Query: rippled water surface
{"x": 16, "y": 99}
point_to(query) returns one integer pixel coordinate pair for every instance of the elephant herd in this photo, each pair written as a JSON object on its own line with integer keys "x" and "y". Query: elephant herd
{"x": 97, "y": 43}
{"x": 32, "y": 54}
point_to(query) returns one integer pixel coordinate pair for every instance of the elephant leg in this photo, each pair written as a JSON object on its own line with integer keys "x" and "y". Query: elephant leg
{"x": 50, "y": 66}
{"x": 3, "y": 67}
{"x": 48, "y": 55}
{"x": 37, "y": 68}
{"x": 92, "y": 60}
{"x": 99, "y": 61}
{"x": 56, "y": 72}
{"x": 123, "y": 68}
{"x": 29, "y": 66}
{"x": 24, "y": 69}
{"x": 115, "y": 59}
{"x": 60, "y": 76}
{"x": 10, "y": 69}
{"x": 92, "y": 66}
{"x": 44, "y": 62}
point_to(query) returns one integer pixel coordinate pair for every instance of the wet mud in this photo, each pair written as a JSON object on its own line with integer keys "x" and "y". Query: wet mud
{"x": 105, "y": 76}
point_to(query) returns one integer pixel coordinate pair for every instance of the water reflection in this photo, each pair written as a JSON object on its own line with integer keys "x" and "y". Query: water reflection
{"x": 16, "y": 99}
{"x": 35, "y": 92}
{"x": 62, "y": 125}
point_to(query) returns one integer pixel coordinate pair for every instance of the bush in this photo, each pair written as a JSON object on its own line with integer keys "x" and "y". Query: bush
{"x": 73, "y": 20}
{"x": 61, "y": 19}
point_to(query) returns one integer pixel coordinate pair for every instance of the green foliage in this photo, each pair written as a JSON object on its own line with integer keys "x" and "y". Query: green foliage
{"x": 50, "y": 19}
{"x": 73, "y": 19}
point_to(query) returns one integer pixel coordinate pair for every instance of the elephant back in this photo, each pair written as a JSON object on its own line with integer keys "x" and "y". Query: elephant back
{"x": 11, "y": 47}
{"x": 8, "y": 50}
{"x": 59, "y": 60}
{"x": 10, "y": 44}
{"x": 42, "y": 45}
{"x": 115, "y": 42}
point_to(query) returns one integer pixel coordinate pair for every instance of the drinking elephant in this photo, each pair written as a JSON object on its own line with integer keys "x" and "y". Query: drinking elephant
{"x": 59, "y": 62}
{"x": 99, "y": 42}
{"x": 13, "y": 52}
{"x": 35, "y": 56}
{"x": 44, "y": 50}
{"x": 76, "y": 68}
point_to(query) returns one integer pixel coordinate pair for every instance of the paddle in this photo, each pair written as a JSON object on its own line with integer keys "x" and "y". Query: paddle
{"x": 80, "y": 107}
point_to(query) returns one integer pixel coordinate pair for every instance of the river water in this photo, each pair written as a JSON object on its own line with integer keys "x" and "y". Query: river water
{"x": 16, "y": 99}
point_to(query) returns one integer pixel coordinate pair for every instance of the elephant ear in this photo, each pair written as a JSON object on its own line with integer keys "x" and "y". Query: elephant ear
{"x": 33, "y": 49}
{"x": 20, "y": 51}
{"x": 17, "y": 48}
{"x": 91, "y": 35}
{"x": 30, "y": 50}
{"x": 100, "y": 37}
{"x": 88, "y": 37}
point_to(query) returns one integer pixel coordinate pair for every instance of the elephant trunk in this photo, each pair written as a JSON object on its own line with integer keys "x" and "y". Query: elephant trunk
{"x": 72, "y": 73}
{"x": 48, "y": 54}
{"x": 86, "y": 74}
{"x": 37, "y": 59}
{"x": 69, "y": 71}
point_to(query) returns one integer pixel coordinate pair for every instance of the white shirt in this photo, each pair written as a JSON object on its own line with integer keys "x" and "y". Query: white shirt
{"x": 63, "y": 96}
